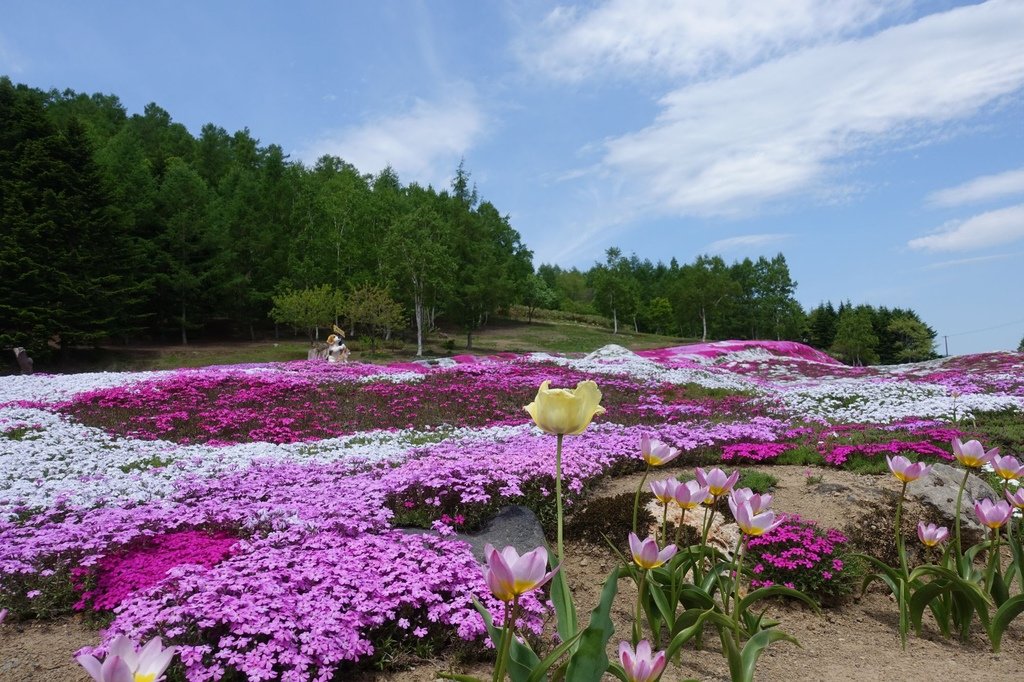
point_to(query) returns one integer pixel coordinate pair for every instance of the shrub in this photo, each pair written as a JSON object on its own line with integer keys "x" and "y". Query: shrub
{"x": 758, "y": 481}
{"x": 610, "y": 517}
{"x": 800, "y": 555}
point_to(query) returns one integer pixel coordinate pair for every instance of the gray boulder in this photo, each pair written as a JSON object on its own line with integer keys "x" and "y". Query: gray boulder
{"x": 513, "y": 525}
{"x": 938, "y": 491}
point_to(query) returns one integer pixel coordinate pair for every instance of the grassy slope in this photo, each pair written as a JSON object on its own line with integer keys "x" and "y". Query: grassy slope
{"x": 500, "y": 335}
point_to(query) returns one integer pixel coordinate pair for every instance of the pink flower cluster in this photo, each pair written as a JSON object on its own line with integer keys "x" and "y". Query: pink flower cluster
{"x": 753, "y": 452}
{"x": 840, "y": 454}
{"x": 118, "y": 576}
{"x": 296, "y": 606}
{"x": 800, "y": 555}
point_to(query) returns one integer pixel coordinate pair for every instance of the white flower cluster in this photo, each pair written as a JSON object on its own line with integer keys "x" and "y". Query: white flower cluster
{"x": 55, "y": 388}
{"x": 53, "y": 458}
{"x": 866, "y": 401}
{"x": 617, "y": 360}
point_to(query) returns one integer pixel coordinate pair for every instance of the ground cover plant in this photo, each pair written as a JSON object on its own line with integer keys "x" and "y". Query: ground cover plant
{"x": 161, "y": 501}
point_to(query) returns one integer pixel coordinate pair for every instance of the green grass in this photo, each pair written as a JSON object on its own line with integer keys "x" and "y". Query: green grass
{"x": 499, "y": 335}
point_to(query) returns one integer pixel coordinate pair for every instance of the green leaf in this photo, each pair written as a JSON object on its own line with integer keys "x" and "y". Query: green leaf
{"x": 589, "y": 662}
{"x": 688, "y": 633}
{"x": 753, "y": 648}
{"x": 522, "y": 659}
{"x": 458, "y": 678}
{"x": 1004, "y": 615}
{"x": 923, "y": 597}
{"x": 776, "y": 591}
{"x": 549, "y": 660}
{"x": 565, "y": 609}
{"x": 998, "y": 588}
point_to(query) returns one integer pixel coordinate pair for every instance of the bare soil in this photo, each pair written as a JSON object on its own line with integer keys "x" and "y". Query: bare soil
{"x": 856, "y": 640}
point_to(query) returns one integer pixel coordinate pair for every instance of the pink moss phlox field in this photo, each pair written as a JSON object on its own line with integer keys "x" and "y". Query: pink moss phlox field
{"x": 221, "y": 406}
{"x": 295, "y": 606}
{"x": 286, "y": 562}
{"x": 118, "y": 576}
{"x": 717, "y": 349}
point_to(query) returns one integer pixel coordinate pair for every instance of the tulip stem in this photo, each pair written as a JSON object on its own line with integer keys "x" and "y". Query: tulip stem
{"x": 636, "y": 499}
{"x": 956, "y": 520}
{"x": 736, "y": 589}
{"x": 558, "y": 492}
{"x": 664, "y": 525}
{"x": 993, "y": 561}
{"x": 900, "y": 548}
{"x": 637, "y": 629}
{"x": 506, "y": 639}
{"x": 679, "y": 528}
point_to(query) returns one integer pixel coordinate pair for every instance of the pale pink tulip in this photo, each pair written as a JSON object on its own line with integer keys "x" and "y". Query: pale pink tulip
{"x": 1016, "y": 498}
{"x": 643, "y": 665}
{"x": 758, "y": 503}
{"x": 751, "y": 523}
{"x": 510, "y": 575}
{"x": 126, "y": 663}
{"x": 1008, "y": 467}
{"x": 646, "y": 554}
{"x": 690, "y": 494}
{"x": 993, "y": 514}
{"x": 716, "y": 481}
{"x": 655, "y": 452}
{"x": 905, "y": 470}
{"x": 931, "y": 534}
{"x": 665, "y": 490}
{"x": 972, "y": 454}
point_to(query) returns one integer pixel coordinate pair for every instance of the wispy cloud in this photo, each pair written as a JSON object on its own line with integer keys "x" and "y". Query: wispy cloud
{"x": 969, "y": 261}
{"x": 745, "y": 241}
{"x": 11, "y": 62}
{"x": 984, "y": 188}
{"x": 977, "y": 232}
{"x": 683, "y": 38}
{"x": 423, "y": 144}
{"x": 724, "y": 146}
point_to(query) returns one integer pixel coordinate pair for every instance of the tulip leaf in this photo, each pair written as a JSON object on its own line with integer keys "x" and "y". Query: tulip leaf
{"x": 549, "y": 660}
{"x": 925, "y": 596}
{"x": 776, "y": 591}
{"x": 457, "y": 677}
{"x": 618, "y": 671}
{"x": 688, "y": 633}
{"x": 667, "y": 611}
{"x": 998, "y": 588}
{"x": 692, "y": 596}
{"x": 1004, "y": 615}
{"x": 522, "y": 659}
{"x": 752, "y": 651}
{"x": 590, "y": 661}
{"x": 565, "y": 609}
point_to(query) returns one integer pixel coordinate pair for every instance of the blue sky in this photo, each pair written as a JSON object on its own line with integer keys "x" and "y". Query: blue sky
{"x": 879, "y": 145}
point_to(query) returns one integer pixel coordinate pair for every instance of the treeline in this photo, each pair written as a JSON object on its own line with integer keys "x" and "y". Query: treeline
{"x": 747, "y": 299}
{"x": 123, "y": 227}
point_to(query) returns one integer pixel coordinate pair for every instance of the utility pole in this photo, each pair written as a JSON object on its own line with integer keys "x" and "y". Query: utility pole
{"x": 946, "y": 340}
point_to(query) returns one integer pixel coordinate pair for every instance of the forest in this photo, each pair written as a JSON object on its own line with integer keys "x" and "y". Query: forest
{"x": 121, "y": 227}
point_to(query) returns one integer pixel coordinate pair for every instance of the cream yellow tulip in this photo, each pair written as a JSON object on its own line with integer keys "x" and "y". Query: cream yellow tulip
{"x": 565, "y": 411}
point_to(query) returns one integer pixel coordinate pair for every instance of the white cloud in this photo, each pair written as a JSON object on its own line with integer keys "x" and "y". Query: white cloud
{"x": 721, "y": 146}
{"x": 422, "y": 144}
{"x": 979, "y": 189}
{"x": 687, "y": 37}
{"x": 977, "y": 232}
{"x": 969, "y": 261}
{"x": 745, "y": 241}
